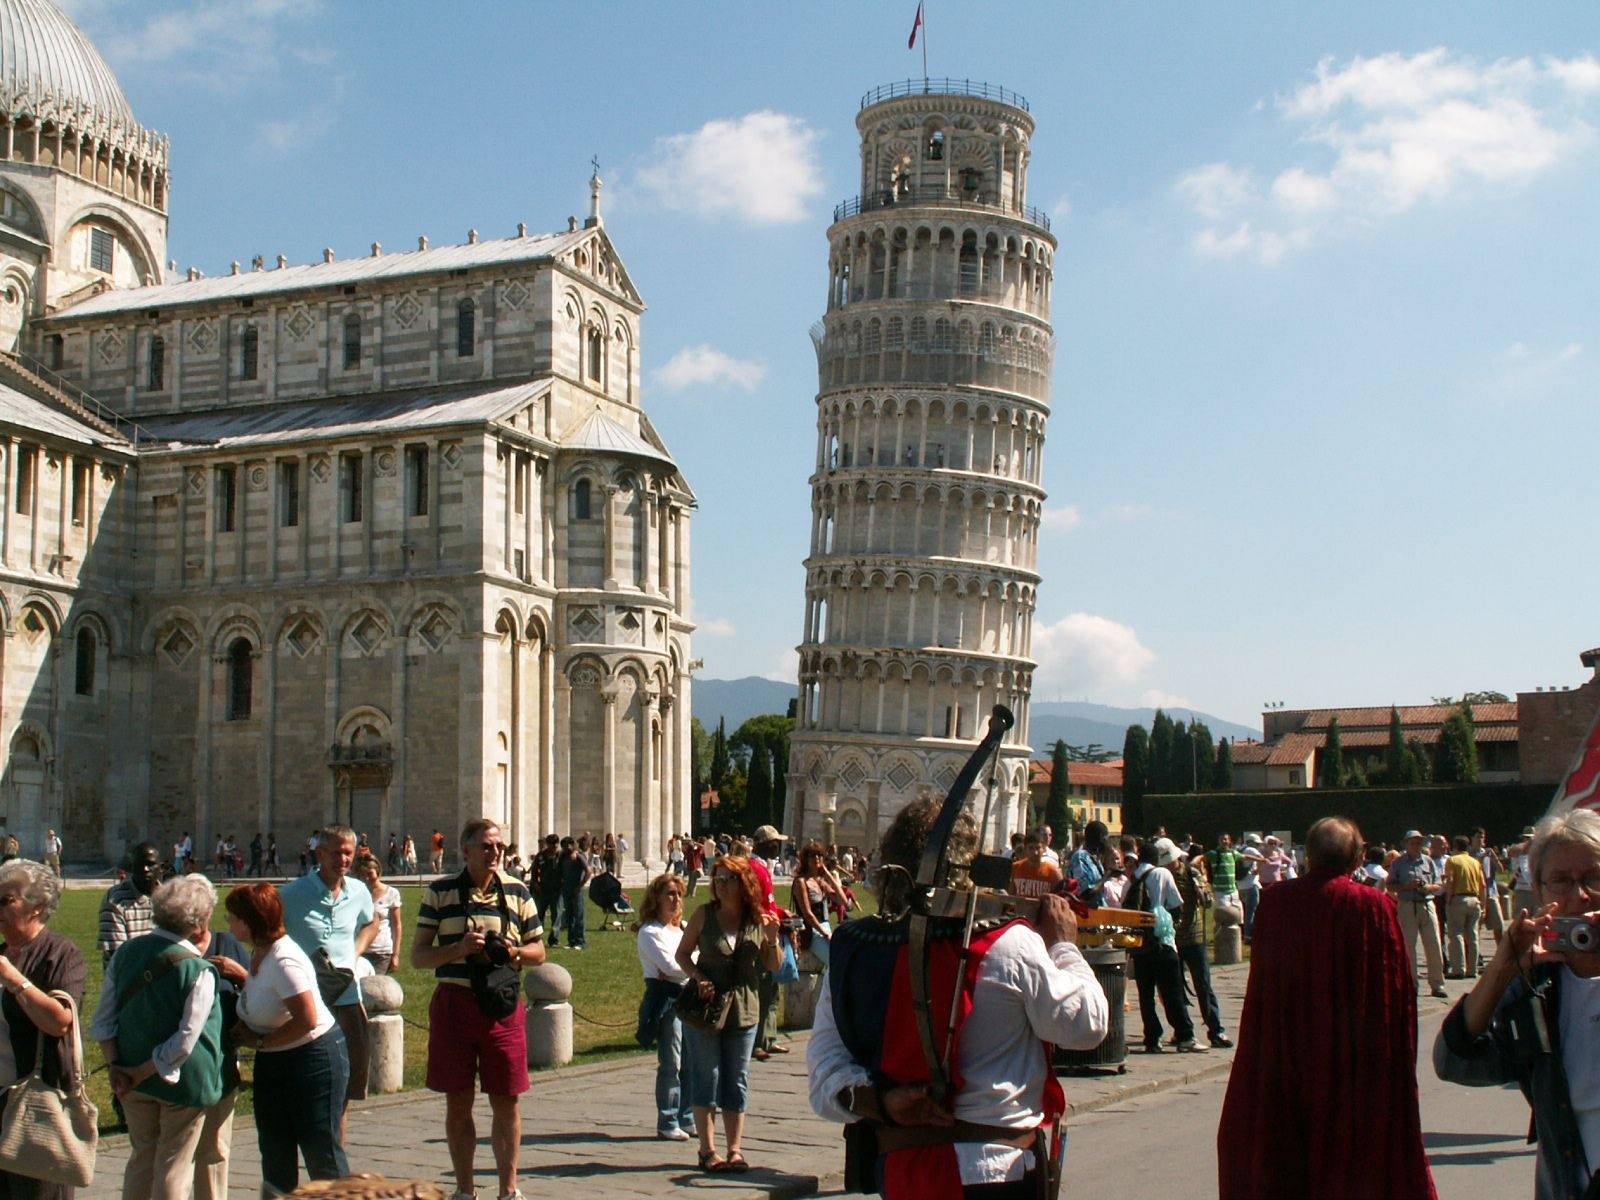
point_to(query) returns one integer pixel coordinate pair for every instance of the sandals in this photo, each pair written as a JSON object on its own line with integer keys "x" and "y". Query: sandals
{"x": 711, "y": 1162}
{"x": 736, "y": 1164}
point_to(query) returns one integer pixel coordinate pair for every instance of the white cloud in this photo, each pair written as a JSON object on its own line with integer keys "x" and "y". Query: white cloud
{"x": 706, "y": 366}
{"x": 1376, "y": 137}
{"x": 1061, "y": 520}
{"x": 714, "y": 627}
{"x": 761, "y": 167}
{"x": 1156, "y": 698}
{"x": 1087, "y": 655}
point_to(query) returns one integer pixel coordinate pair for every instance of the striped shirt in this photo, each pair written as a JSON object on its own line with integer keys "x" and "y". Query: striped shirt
{"x": 441, "y": 911}
{"x": 124, "y": 915}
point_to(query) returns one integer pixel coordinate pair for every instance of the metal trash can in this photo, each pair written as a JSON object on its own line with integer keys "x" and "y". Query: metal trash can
{"x": 1110, "y": 966}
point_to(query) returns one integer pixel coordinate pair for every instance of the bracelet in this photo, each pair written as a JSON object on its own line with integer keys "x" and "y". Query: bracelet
{"x": 25, "y": 985}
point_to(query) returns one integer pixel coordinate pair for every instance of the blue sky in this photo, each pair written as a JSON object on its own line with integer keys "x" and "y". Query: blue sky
{"x": 1324, "y": 417}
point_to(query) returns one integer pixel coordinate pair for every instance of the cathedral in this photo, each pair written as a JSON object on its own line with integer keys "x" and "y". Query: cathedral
{"x": 385, "y": 539}
{"x": 934, "y": 361}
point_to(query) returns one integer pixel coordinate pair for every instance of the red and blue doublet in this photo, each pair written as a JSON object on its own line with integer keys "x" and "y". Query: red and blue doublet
{"x": 869, "y": 977}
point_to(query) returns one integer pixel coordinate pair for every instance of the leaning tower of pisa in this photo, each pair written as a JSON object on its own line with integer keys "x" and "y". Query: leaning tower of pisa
{"x": 933, "y": 363}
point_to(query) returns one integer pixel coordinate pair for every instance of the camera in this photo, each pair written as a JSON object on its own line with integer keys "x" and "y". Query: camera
{"x": 495, "y": 948}
{"x": 1577, "y": 934}
{"x": 792, "y": 924}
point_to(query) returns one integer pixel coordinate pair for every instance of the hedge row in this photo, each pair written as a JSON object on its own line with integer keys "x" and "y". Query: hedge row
{"x": 1503, "y": 809}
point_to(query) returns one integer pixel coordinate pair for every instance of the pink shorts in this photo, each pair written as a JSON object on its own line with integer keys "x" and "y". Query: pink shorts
{"x": 464, "y": 1045}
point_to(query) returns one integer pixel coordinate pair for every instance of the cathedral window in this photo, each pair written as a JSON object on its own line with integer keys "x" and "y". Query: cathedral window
{"x": 350, "y": 481}
{"x": 83, "y": 668}
{"x": 597, "y": 352}
{"x": 466, "y": 329}
{"x": 352, "y": 342}
{"x": 101, "y": 245}
{"x": 56, "y": 347}
{"x": 157, "y": 363}
{"x": 417, "y": 480}
{"x": 580, "y": 500}
{"x": 936, "y": 145}
{"x": 288, "y": 494}
{"x": 239, "y": 681}
{"x": 519, "y": 484}
{"x": 80, "y": 491}
{"x": 249, "y": 352}
{"x": 227, "y": 498}
{"x": 27, "y": 468}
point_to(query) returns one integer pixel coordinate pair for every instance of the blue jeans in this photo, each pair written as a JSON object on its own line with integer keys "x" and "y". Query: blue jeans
{"x": 550, "y": 917}
{"x": 572, "y": 907}
{"x": 673, "y": 1110}
{"x": 1249, "y": 896}
{"x": 1198, "y": 965}
{"x": 299, "y": 1099}
{"x": 719, "y": 1067}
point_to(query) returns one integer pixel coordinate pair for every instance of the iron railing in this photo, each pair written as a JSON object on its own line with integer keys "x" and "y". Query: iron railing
{"x": 943, "y": 87}
{"x": 937, "y": 197}
{"x": 74, "y": 394}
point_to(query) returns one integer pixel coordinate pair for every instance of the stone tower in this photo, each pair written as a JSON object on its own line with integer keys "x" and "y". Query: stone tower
{"x": 934, "y": 379}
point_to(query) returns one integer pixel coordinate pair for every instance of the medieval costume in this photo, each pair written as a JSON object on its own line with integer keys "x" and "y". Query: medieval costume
{"x": 1322, "y": 1101}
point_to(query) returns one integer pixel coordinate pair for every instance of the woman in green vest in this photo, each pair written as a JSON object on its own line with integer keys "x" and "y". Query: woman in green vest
{"x": 728, "y": 941}
{"x": 160, "y": 1025}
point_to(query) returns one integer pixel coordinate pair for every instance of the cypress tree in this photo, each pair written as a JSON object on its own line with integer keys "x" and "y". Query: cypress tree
{"x": 1180, "y": 759}
{"x": 1394, "y": 758}
{"x": 1332, "y": 759}
{"x": 1205, "y": 755}
{"x": 758, "y": 788}
{"x": 1156, "y": 777}
{"x": 1222, "y": 769}
{"x": 1135, "y": 763}
{"x": 1057, "y": 815}
{"x": 719, "y": 755}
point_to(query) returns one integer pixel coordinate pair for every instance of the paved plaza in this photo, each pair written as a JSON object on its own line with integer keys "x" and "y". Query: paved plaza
{"x": 592, "y": 1127}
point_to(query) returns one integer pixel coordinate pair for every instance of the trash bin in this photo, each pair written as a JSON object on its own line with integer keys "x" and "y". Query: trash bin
{"x": 1110, "y": 966}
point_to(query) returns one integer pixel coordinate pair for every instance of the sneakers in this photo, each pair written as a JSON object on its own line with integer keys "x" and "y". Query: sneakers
{"x": 1191, "y": 1047}
{"x": 1222, "y": 1041}
{"x": 672, "y": 1135}
{"x": 1439, "y": 993}
{"x": 515, "y": 1194}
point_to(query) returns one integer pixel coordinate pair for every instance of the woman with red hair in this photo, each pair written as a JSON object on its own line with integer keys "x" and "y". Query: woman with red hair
{"x": 302, "y": 1062}
{"x": 729, "y": 940}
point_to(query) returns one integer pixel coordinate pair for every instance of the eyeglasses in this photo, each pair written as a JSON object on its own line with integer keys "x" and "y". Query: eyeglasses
{"x": 1564, "y": 885}
{"x": 720, "y": 878}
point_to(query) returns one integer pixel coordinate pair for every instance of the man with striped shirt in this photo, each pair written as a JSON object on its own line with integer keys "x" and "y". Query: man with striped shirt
{"x": 468, "y": 922}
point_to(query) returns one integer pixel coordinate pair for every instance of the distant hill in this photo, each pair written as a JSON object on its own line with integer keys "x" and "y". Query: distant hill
{"x": 737, "y": 700}
{"x": 1075, "y": 722}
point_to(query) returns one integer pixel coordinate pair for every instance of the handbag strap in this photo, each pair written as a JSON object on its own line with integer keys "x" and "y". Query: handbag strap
{"x": 70, "y": 1048}
{"x": 168, "y": 959}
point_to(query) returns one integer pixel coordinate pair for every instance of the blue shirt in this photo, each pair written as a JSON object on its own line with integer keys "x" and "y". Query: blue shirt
{"x": 314, "y": 918}
{"x": 1405, "y": 868}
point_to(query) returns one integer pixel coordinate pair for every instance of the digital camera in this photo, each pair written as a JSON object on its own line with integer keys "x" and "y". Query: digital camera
{"x": 495, "y": 948}
{"x": 1575, "y": 934}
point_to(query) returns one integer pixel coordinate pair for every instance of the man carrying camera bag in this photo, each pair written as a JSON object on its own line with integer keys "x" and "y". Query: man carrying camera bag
{"x": 475, "y": 931}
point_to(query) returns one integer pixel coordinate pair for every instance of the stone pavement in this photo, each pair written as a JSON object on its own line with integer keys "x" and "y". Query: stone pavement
{"x": 592, "y": 1127}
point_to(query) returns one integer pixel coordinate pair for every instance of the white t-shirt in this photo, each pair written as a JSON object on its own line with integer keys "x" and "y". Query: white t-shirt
{"x": 285, "y": 971}
{"x": 1580, "y": 1027}
{"x": 384, "y": 903}
{"x": 658, "y": 951}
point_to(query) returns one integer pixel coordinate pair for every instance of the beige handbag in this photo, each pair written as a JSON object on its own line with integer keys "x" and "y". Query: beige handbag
{"x": 50, "y": 1133}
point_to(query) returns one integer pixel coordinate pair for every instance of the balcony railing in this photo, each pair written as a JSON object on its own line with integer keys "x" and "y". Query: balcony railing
{"x": 943, "y": 87}
{"x": 939, "y": 198}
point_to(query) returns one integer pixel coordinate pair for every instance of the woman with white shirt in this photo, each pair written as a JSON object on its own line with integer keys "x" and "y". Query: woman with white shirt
{"x": 384, "y": 953}
{"x": 302, "y": 1062}
{"x": 660, "y": 930}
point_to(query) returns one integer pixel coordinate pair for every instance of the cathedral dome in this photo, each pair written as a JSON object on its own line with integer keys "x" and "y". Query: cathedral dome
{"x": 46, "y": 60}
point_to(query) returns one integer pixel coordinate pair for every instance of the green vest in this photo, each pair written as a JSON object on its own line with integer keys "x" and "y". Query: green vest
{"x": 152, "y": 1016}
{"x": 738, "y": 972}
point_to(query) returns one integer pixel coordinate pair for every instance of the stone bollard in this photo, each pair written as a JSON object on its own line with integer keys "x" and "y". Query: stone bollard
{"x": 1228, "y": 945}
{"x": 549, "y": 1019}
{"x": 800, "y": 997}
{"x": 382, "y": 997}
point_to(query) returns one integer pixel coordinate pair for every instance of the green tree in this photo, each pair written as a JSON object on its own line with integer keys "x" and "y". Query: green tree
{"x": 769, "y": 732}
{"x": 1394, "y": 756}
{"x": 1419, "y": 763}
{"x": 1205, "y": 754}
{"x": 1331, "y": 758}
{"x": 719, "y": 756}
{"x": 758, "y": 790}
{"x": 1157, "y": 778}
{"x": 1135, "y": 763}
{"x": 1180, "y": 759}
{"x": 699, "y": 756}
{"x": 1222, "y": 769}
{"x": 1056, "y": 814}
{"x": 1458, "y": 749}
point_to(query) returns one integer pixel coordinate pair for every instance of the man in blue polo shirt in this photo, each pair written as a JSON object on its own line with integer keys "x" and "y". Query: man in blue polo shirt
{"x": 1414, "y": 882}
{"x": 329, "y": 910}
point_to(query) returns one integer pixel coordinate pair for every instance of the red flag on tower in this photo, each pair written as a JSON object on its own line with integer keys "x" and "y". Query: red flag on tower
{"x": 1581, "y": 787}
{"x": 911, "y": 42}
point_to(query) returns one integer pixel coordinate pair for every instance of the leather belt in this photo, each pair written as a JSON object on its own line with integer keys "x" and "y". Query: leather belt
{"x": 909, "y": 1137}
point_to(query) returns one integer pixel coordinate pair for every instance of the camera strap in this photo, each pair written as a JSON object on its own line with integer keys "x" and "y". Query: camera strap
{"x": 464, "y": 884}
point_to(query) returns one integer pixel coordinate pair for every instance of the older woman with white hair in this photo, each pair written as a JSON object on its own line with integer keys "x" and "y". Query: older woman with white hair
{"x": 160, "y": 1025}
{"x": 33, "y": 963}
{"x": 1531, "y": 1017}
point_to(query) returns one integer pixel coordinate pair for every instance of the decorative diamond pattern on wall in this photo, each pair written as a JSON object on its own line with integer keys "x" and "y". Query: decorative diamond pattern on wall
{"x": 944, "y": 777}
{"x": 815, "y": 774}
{"x": 450, "y": 454}
{"x": 203, "y": 336}
{"x": 852, "y": 775}
{"x": 110, "y": 345}
{"x": 299, "y": 324}
{"x": 406, "y": 311}
{"x": 515, "y": 294}
{"x": 434, "y": 630}
{"x": 197, "y": 481}
{"x": 585, "y": 624}
{"x": 302, "y": 638}
{"x": 900, "y": 776}
{"x": 320, "y": 468}
{"x": 177, "y": 646}
{"x": 367, "y": 634}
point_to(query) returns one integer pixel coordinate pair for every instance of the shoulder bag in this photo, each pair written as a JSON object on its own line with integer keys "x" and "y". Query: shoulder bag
{"x": 332, "y": 981}
{"x": 496, "y": 986}
{"x": 708, "y": 1016}
{"x": 49, "y": 1132}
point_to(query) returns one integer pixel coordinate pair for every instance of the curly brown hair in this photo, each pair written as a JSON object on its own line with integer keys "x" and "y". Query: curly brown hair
{"x": 650, "y": 908}
{"x": 750, "y": 898}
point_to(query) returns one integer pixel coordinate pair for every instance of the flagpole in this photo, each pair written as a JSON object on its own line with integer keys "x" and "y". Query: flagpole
{"x": 924, "y": 45}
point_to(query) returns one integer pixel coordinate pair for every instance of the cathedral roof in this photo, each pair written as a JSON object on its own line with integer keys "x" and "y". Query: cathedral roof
{"x": 339, "y": 272}
{"x": 17, "y": 408}
{"x": 599, "y": 434}
{"x": 45, "y": 60}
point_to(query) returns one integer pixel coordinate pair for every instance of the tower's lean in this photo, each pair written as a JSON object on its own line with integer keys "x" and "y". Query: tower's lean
{"x": 934, "y": 377}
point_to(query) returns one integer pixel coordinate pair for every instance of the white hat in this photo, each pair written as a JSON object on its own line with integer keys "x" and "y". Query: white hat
{"x": 766, "y": 833}
{"x": 1167, "y": 852}
{"x": 1252, "y": 839}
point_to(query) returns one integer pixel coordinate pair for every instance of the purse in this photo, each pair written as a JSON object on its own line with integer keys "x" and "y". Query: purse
{"x": 49, "y": 1132}
{"x": 709, "y": 1016}
{"x": 332, "y": 981}
{"x": 789, "y": 972}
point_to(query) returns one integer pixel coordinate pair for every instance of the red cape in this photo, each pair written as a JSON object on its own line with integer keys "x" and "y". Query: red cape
{"x": 1322, "y": 1101}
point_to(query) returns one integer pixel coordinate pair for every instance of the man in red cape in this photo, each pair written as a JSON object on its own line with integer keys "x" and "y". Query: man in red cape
{"x": 1322, "y": 1101}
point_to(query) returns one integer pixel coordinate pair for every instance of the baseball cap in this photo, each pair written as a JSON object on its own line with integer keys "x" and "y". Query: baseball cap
{"x": 1167, "y": 852}
{"x": 1411, "y": 833}
{"x": 766, "y": 833}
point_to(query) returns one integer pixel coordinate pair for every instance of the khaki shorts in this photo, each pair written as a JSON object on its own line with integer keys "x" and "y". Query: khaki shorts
{"x": 352, "y": 1019}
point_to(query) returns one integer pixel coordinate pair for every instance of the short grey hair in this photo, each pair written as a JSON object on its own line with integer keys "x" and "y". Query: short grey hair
{"x": 335, "y": 833}
{"x": 41, "y": 887}
{"x": 183, "y": 904}
{"x": 1576, "y": 827}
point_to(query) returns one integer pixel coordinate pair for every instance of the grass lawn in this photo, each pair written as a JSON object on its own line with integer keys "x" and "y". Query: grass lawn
{"x": 606, "y": 987}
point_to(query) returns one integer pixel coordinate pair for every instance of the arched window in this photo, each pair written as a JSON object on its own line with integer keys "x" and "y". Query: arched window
{"x": 597, "y": 355}
{"x": 249, "y": 352}
{"x": 352, "y": 342}
{"x": 158, "y": 362}
{"x": 239, "y": 681}
{"x": 936, "y": 144}
{"x": 580, "y": 500}
{"x": 466, "y": 329}
{"x": 83, "y": 672}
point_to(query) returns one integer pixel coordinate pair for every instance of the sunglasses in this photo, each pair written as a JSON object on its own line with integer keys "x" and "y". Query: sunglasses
{"x": 719, "y": 878}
